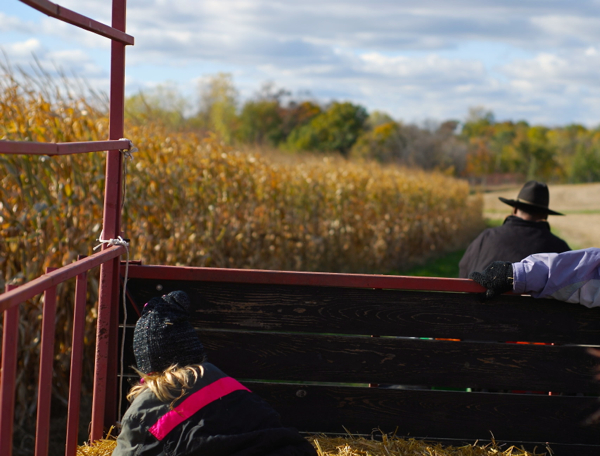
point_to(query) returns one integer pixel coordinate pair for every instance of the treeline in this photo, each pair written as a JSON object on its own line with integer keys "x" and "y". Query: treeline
{"x": 561, "y": 154}
{"x": 475, "y": 148}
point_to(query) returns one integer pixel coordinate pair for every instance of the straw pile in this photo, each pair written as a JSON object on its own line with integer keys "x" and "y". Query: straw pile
{"x": 102, "y": 447}
{"x": 359, "y": 446}
{"x": 394, "y": 446}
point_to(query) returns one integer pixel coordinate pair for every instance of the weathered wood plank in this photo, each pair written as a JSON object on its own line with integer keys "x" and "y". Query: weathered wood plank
{"x": 247, "y": 328}
{"x": 381, "y": 312}
{"x": 434, "y": 414}
{"x": 344, "y": 359}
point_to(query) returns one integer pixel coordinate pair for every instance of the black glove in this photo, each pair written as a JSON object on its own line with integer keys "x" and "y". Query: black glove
{"x": 497, "y": 278}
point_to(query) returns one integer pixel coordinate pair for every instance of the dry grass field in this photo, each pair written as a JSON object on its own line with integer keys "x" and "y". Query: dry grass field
{"x": 580, "y": 203}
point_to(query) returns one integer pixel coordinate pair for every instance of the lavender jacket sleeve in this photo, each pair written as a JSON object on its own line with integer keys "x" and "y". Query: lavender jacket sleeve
{"x": 572, "y": 276}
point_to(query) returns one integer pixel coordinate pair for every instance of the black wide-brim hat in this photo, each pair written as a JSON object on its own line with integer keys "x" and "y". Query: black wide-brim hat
{"x": 533, "y": 197}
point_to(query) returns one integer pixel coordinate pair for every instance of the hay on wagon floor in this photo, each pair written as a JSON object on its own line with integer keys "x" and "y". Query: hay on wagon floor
{"x": 359, "y": 446}
{"x": 102, "y": 447}
{"x": 394, "y": 446}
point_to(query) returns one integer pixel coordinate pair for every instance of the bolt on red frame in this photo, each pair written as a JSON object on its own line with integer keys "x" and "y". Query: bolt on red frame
{"x": 104, "y": 398}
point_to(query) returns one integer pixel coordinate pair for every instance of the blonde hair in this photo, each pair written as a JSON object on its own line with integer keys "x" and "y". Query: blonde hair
{"x": 170, "y": 385}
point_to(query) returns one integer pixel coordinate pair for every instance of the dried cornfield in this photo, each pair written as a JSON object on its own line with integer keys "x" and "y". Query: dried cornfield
{"x": 192, "y": 201}
{"x": 232, "y": 209}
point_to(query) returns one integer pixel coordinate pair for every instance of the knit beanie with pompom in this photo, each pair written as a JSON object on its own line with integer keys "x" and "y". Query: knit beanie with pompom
{"x": 164, "y": 336}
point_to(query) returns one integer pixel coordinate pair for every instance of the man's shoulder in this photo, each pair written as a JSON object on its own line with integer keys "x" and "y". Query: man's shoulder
{"x": 488, "y": 232}
{"x": 562, "y": 245}
{"x": 522, "y": 233}
{"x": 496, "y": 231}
{"x": 483, "y": 239}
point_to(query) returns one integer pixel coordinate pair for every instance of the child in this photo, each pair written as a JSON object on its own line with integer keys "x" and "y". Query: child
{"x": 186, "y": 406}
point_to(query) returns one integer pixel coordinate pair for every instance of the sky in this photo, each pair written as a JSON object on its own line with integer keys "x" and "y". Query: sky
{"x": 418, "y": 61}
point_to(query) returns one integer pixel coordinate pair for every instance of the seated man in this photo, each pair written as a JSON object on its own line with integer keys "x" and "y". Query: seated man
{"x": 523, "y": 233}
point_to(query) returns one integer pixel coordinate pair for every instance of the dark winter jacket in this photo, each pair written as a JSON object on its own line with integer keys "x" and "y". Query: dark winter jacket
{"x": 512, "y": 241}
{"x": 218, "y": 417}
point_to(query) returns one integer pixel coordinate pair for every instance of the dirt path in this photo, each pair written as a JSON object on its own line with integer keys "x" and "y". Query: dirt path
{"x": 580, "y": 203}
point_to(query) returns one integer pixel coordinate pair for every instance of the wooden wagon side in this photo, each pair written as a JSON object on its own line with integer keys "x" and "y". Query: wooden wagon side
{"x": 304, "y": 342}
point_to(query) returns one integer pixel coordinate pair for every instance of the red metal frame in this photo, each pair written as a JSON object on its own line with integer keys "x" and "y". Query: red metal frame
{"x": 76, "y": 364}
{"x": 321, "y": 279}
{"x": 71, "y": 17}
{"x": 10, "y": 335}
{"x": 31, "y": 289}
{"x": 45, "y": 377}
{"x": 103, "y": 408}
{"x": 36, "y": 148}
{"x": 104, "y": 405}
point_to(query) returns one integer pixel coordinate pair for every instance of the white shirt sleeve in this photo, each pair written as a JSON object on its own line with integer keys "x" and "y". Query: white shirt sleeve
{"x": 572, "y": 276}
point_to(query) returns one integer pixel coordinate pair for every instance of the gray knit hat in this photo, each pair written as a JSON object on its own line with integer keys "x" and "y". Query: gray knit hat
{"x": 164, "y": 336}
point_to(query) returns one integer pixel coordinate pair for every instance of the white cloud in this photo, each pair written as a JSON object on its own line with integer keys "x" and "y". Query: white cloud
{"x": 379, "y": 24}
{"x": 423, "y": 70}
{"x": 23, "y": 49}
{"x": 569, "y": 28}
{"x": 12, "y": 23}
{"x": 77, "y": 61}
{"x": 432, "y": 58}
{"x": 574, "y": 68}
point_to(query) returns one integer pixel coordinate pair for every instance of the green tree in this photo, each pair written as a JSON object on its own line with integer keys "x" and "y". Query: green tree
{"x": 296, "y": 114}
{"x": 261, "y": 122}
{"x": 218, "y": 105}
{"x": 479, "y": 123}
{"x": 477, "y": 131}
{"x": 335, "y": 130}
{"x": 377, "y": 118}
{"x": 585, "y": 165}
{"x": 163, "y": 103}
{"x": 384, "y": 143}
{"x": 536, "y": 155}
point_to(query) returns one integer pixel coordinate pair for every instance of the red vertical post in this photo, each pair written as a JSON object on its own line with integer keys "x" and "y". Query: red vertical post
{"x": 107, "y": 331}
{"x": 112, "y": 393}
{"x": 102, "y": 351}
{"x": 10, "y": 336}
{"x": 42, "y": 428}
{"x": 76, "y": 364}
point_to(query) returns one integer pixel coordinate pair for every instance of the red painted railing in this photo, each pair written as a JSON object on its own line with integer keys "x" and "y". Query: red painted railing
{"x": 104, "y": 401}
{"x": 35, "y": 148}
{"x": 10, "y": 336}
{"x": 320, "y": 279}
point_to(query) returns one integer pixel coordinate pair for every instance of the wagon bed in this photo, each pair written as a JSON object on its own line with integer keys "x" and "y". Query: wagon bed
{"x": 337, "y": 353}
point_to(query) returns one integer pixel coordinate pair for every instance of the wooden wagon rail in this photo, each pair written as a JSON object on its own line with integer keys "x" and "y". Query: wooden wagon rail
{"x": 303, "y": 341}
